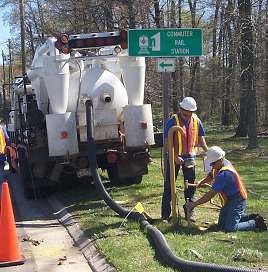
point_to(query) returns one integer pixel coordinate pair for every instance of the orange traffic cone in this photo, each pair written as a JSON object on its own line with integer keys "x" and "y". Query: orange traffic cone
{"x": 9, "y": 245}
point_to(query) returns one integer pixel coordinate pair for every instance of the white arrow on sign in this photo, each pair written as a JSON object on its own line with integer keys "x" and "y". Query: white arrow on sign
{"x": 165, "y": 65}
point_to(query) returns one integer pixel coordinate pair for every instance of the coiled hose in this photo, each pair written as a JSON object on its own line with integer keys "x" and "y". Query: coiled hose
{"x": 154, "y": 234}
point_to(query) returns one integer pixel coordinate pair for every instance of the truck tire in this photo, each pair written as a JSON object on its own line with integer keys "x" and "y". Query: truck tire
{"x": 135, "y": 180}
{"x": 25, "y": 174}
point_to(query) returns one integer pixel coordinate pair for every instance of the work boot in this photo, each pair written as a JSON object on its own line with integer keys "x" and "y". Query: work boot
{"x": 260, "y": 224}
{"x": 166, "y": 220}
{"x": 191, "y": 214}
{"x": 252, "y": 216}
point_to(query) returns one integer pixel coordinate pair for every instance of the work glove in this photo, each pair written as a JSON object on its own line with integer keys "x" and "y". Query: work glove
{"x": 178, "y": 160}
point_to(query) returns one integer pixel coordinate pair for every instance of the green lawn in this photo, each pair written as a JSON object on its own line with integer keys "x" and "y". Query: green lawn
{"x": 128, "y": 249}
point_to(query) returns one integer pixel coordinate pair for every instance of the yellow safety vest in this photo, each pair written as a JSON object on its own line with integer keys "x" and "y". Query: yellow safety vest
{"x": 2, "y": 142}
{"x": 241, "y": 187}
{"x": 187, "y": 142}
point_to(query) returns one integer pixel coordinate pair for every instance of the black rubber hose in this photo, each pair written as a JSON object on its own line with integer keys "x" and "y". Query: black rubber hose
{"x": 155, "y": 235}
{"x": 178, "y": 263}
{"x": 96, "y": 177}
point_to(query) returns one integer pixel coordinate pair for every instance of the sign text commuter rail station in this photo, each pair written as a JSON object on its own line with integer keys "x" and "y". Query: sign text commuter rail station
{"x": 167, "y": 42}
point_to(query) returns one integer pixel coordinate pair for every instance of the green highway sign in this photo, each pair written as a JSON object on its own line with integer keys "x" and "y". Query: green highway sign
{"x": 165, "y": 42}
{"x": 165, "y": 65}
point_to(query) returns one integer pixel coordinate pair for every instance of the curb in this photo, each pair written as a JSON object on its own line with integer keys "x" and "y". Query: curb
{"x": 95, "y": 259}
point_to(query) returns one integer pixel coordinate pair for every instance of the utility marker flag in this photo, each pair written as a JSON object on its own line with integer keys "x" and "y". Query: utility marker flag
{"x": 139, "y": 208}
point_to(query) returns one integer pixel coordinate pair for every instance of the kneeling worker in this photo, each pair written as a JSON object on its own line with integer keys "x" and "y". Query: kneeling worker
{"x": 227, "y": 182}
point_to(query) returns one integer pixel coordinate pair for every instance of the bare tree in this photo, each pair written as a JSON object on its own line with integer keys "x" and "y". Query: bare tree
{"x": 214, "y": 71}
{"x": 194, "y": 61}
{"x": 230, "y": 60}
{"x": 247, "y": 122}
{"x": 266, "y": 64}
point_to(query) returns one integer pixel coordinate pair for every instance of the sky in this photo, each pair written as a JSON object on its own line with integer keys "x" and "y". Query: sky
{"x": 4, "y": 33}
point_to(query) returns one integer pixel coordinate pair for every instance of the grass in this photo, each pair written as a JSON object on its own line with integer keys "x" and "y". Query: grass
{"x": 128, "y": 249}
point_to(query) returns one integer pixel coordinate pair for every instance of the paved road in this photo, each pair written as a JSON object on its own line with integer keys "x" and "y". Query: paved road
{"x": 45, "y": 244}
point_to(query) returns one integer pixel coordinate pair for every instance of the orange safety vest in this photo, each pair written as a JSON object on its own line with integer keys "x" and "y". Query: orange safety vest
{"x": 239, "y": 182}
{"x": 186, "y": 144}
{"x": 2, "y": 142}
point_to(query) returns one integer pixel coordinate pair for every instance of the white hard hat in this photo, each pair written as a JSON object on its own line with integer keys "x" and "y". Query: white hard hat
{"x": 189, "y": 104}
{"x": 214, "y": 154}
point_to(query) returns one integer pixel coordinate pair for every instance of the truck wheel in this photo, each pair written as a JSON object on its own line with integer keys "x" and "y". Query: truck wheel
{"x": 135, "y": 180}
{"x": 25, "y": 174}
{"x": 132, "y": 180}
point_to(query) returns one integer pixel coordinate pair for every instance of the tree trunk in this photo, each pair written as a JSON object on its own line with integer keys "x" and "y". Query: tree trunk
{"x": 229, "y": 64}
{"x": 174, "y": 75}
{"x": 258, "y": 60}
{"x": 223, "y": 72}
{"x": 245, "y": 82}
{"x": 131, "y": 14}
{"x": 214, "y": 61}
{"x": 42, "y": 24}
{"x": 247, "y": 122}
{"x": 181, "y": 93}
{"x": 30, "y": 33}
{"x": 195, "y": 68}
{"x": 219, "y": 71}
{"x": 157, "y": 14}
{"x": 108, "y": 12}
{"x": 266, "y": 65}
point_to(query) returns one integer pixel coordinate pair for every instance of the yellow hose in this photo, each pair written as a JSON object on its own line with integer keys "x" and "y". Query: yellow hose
{"x": 174, "y": 209}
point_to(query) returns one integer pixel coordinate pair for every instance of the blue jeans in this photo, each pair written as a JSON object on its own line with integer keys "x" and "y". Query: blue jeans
{"x": 188, "y": 174}
{"x": 232, "y": 216}
{"x": 2, "y": 177}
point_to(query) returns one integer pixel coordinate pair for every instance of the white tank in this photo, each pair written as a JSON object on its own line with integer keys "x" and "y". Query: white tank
{"x": 43, "y": 97}
{"x": 56, "y": 77}
{"x": 113, "y": 66}
{"x": 105, "y": 89}
{"x": 61, "y": 134}
{"x": 39, "y": 88}
{"x": 73, "y": 91}
{"x": 133, "y": 72}
{"x": 138, "y": 125}
{"x": 74, "y": 82}
{"x": 108, "y": 62}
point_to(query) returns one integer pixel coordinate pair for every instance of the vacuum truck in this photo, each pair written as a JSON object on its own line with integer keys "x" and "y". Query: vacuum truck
{"x": 47, "y": 122}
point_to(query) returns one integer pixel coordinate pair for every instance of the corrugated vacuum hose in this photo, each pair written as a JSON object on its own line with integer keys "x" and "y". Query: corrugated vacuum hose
{"x": 154, "y": 234}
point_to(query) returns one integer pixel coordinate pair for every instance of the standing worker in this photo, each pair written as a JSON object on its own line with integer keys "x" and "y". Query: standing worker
{"x": 4, "y": 141}
{"x": 184, "y": 151}
{"x": 227, "y": 182}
